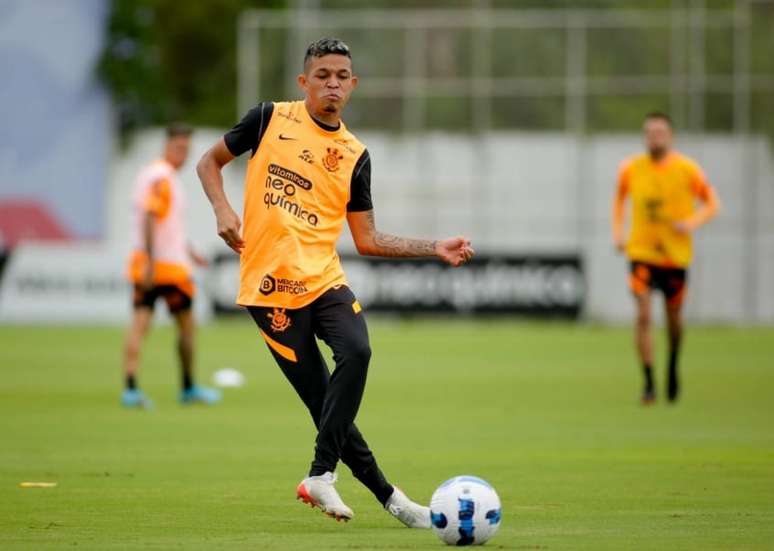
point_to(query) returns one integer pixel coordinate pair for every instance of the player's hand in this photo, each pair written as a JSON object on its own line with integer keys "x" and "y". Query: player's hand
{"x": 454, "y": 251}
{"x": 620, "y": 245}
{"x": 228, "y": 228}
{"x": 682, "y": 227}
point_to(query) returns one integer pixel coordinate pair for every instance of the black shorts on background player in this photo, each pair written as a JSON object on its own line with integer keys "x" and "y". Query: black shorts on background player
{"x": 670, "y": 281}
{"x": 177, "y": 300}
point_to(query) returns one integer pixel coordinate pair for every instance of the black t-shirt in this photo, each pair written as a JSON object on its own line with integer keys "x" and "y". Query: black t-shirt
{"x": 248, "y": 133}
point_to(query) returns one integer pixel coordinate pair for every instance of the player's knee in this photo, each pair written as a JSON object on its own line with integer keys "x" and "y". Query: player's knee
{"x": 185, "y": 340}
{"x": 315, "y": 406}
{"x": 675, "y": 325}
{"x": 674, "y": 312}
{"x": 674, "y": 318}
{"x": 132, "y": 348}
{"x": 643, "y": 319}
{"x": 359, "y": 351}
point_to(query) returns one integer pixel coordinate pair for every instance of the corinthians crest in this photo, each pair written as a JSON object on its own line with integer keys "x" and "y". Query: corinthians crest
{"x": 331, "y": 159}
{"x": 280, "y": 321}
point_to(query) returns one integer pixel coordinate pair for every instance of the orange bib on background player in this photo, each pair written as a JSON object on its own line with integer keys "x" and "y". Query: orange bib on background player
{"x": 297, "y": 188}
{"x": 159, "y": 192}
{"x": 662, "y": 193}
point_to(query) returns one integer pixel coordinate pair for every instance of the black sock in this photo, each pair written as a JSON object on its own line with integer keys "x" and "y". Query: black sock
{"x": 674, "y": 351}
{"x": 647, "y": 371}
{"x": 187, "y": 381}
{"x": 131, "y": 384}
{"x": 673, "y": 386}
{"x": 373, "y": 479}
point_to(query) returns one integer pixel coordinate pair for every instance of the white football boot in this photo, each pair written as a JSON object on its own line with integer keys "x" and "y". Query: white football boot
{"x": 409, "y": 513}
{"x": 318, "y": 491}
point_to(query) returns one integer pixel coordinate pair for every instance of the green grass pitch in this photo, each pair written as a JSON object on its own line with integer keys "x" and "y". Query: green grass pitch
{"x": 547, "y": 413}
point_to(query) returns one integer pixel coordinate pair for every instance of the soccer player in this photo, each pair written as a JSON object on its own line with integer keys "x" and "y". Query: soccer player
{"x": 160, "y": 266}
{"x": 664, "y": 187}
{"x": 306, "y": 175}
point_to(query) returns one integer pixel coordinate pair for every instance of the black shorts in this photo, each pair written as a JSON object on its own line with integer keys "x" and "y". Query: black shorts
{"x": 673, "y": 282}
{"x": 177, "y": 299}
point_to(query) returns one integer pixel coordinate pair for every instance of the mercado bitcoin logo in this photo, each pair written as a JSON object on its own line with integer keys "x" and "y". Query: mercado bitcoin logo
{"x": 268, "y": 285}
{"x": 291, "y": 286}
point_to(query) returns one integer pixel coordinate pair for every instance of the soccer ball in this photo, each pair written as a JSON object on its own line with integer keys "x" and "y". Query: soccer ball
{"x": 465, "y": 510}
{"x": 228, "y": 377}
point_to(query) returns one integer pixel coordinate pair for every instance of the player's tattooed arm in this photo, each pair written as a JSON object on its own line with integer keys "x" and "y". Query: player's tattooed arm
{"x": 392, "y": 245}
{"x": 371, "y": 242}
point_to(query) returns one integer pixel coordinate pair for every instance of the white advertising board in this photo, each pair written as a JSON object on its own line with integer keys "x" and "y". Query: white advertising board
{"x": 71, "y": 283}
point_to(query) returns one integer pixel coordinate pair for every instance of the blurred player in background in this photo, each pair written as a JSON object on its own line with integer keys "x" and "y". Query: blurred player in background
{"x": 306, "y": 176}
{"x": 160, "y": 266}
{"x": 664, "y": 187}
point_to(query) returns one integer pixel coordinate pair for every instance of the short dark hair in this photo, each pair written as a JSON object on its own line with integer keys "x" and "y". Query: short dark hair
{"x": 175, "y": 129}
{"x": 659, "y": 115}
{"x": 326, "y": 46}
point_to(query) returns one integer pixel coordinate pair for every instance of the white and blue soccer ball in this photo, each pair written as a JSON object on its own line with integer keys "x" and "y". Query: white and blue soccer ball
{"x": 465, "y": 510}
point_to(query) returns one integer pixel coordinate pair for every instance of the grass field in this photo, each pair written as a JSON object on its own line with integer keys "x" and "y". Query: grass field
{"x": 547, "y": 413}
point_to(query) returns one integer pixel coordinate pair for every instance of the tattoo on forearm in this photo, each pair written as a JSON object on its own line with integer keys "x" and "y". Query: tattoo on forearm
{"x": 391, "y": 245}
{"x": 394, "y": 246}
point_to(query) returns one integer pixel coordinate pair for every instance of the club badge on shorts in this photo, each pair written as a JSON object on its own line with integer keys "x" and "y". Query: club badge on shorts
{"x": 280, "y": 321}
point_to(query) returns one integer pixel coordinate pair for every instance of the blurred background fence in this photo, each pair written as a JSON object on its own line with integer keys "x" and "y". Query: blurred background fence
{"x": 563, "y": 69}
